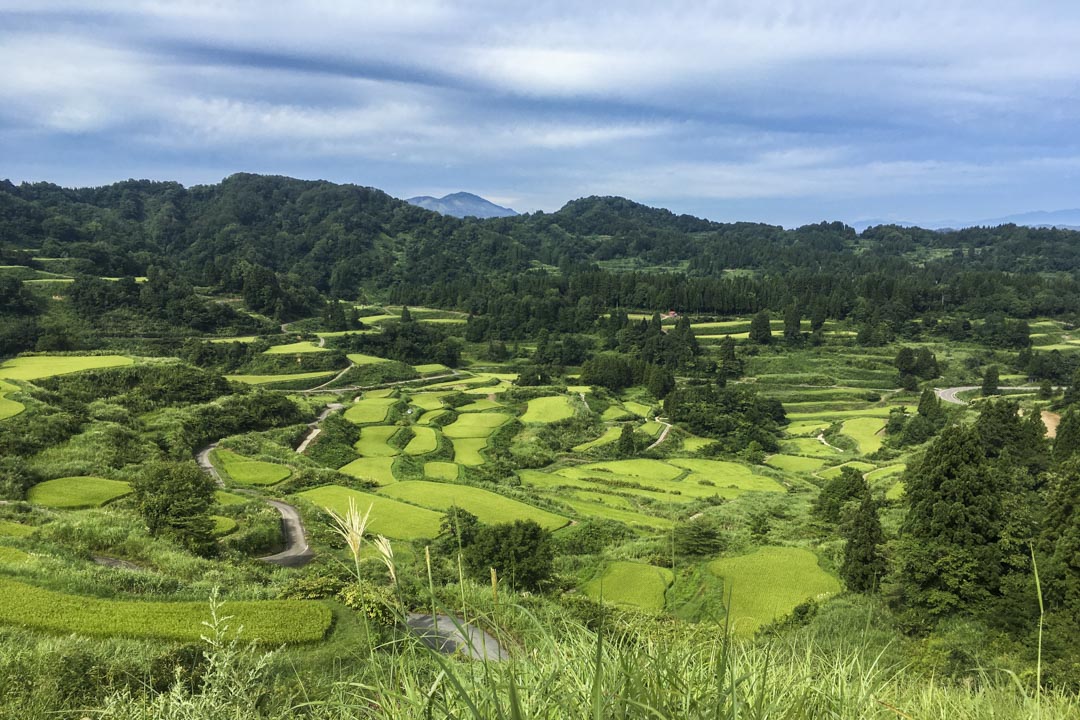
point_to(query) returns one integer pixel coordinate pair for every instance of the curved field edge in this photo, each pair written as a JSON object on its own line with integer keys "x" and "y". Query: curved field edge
{"x": 268, "y": 622}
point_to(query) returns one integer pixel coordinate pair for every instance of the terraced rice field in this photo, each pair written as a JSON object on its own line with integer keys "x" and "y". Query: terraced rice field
{"x": 243, "y": 339}
{"x": 369, "y": 410}
{"x": 379, "y": 470}
{"x": 14, "y": 529}
{"x": 865, "y": 432}
{"x": 362, "y": 359}
{"x": 441, "y": 470}
{"x": 885, "y": 472}
{"x": 548, "y": 409}
{"x": 389, "y": 517}
{"x": 424, "y": 441}
{"x": 896, "y": 492}
{"x": 428, "y": 401}
{"x": 589, "y": 508}
{"x": 223, "y": 525}
{"x": 295, "y": 348}
{"x": 314, "y": 377}
{"x": 13, "y": 556}
{"x": 41, "y": 366}
{"x": 479, "y": 406}
{"x": 639, "y": 409}
{"x": 610, "y": 435}
{"x": 811, "y": 447}
{"x": 769, "y": 583}
{"x": 489, "y": 507}
{"x": 631, "y": 584}
{"x": 246, "y": 471}
{"x": 431, "y": 416}
{"x": 375, "y": 441}
{"x": 467, "y": 451}
{"x": 795, "y": 463}
{"x": 475, "y": 425}
{"x": 227, "y": 498}
{"x": 834, "y": 472}
{"x": 616, "y": 412}
{"x": 806, "y": 427}
{"x": 431, "y": 369}
{"x": 693, "y": 443}
{"x": 9, "y": 407}
{"x": 72, "y": 493}
{"x": 270, "y": 622}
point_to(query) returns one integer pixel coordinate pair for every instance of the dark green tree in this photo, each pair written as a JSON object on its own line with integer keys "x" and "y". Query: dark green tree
{"x": 1067, "y": 440}
{"x": 905, "y": 361}
{"x": 990, "y": 382}
{"x": 729, "y": 367}
{"x": 792, "y": 324}
{"x": 459, "y": 527}
{"x": 864, "y": 562}
{"x": 521, "y": 552}
{"x": 701, "y": 536}
{"x": 174, "y": 500}
{"x": 406, "y": 316}
{"x": 840, "y": 490}
{"x": 760, "y": 328}
{"x": 627, "y": 444}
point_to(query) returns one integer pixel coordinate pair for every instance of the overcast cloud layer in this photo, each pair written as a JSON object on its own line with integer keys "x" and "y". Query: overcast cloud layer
{"x": 786, "y": 112}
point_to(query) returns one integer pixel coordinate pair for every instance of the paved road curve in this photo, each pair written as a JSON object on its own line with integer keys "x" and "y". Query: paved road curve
{"x": 452, "y": 635}
{"x": 949, "y": 394}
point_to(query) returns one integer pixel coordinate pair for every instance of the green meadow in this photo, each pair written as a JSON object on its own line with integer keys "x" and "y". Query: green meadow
{"x": 72, "y": 493}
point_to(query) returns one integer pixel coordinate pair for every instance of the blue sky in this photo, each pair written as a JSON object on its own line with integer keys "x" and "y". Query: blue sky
{"x": 786, "y": 112}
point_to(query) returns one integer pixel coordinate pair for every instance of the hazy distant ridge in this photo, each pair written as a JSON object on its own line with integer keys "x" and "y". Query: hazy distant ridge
{"x": 462, "y": 204}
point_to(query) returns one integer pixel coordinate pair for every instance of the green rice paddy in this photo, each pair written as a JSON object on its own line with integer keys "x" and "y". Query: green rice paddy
{"x": 633, "y": 584}
{"x": 610, "y": 435}
{"x": 389, "y": 517}
{"x": 424, "y": 440}
{"x": 14, "y": 529}
{"x": 270, "y": 622}
{"x": 548, "y": 409}
{"x": 866, "y": 432}
{"x": 41, "y": 366}
{"x": 767, "y": 584}
{"x": 475, "y": 425}
{"x": 369, "y": 410}
{"x": 375, "y": 441}
{"x": 795, "y": 463}
{"x": 467, "y": 451}
{"x": 271, "y": 379}
{"x": 9, "y": 407}
{"x": 835, "y": 471}
{"x": 77, "y": 492}
{"x": 441, "y": 470}
{"x": 246, "y": 471}
{"x": 295, "y": 348}
{"x": 13, "y": 556}
{"x": 377, "y": 469}
{"x": 489, "y": 507}
{"x": 361, "y": 359}
{"x": 223, "y": 525}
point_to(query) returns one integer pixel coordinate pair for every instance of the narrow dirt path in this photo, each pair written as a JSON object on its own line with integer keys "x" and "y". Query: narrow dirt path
{"x": 297, "y": 553}
{"x": 379, "y": 386}
{"x": 315, "y": 429}
{"x": 450, "y": 635}
{"x": 663, "y": 434}
{"x": 331, "y": 380}
{"x": 826, "y": 443}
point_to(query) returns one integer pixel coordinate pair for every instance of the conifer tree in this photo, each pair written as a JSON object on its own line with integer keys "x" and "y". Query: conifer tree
{"x": 1067, "y": 441}
{"x": 990, "y": 382}
{"x": 864, "y": 563}
{"x": 627, "y": 446}
{"x": 760, "y": 329}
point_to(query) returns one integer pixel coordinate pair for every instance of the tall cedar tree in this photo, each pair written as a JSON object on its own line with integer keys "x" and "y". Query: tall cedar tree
{"x": 949, "y": 555}
{"x": 864, "y": 563}
{"x": 1067, "y": 441}
{"x": 627, "y": 445}
{"x": 990, "y": 382}
{"x": 761, "y": 329}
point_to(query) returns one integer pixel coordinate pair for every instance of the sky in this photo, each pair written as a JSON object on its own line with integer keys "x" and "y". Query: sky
{"x": 786, "y": 112}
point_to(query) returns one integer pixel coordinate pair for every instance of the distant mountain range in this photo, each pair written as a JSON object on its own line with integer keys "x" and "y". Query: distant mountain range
{"x": 462, "y": 204}
{"x": 1065, "y": 219}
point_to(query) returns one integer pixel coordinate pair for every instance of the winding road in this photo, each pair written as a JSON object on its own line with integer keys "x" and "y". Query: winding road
{"x": 949, "y": 395}
{"x": 450, "y": 635}
{"x": 297, "y": 552}
{"x": 663, "y": 435}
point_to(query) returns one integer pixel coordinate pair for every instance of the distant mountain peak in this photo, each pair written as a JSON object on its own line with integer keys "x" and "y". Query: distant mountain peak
{"x": 462, "y": 204}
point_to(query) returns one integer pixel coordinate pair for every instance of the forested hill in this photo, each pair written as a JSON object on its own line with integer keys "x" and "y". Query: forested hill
{"x": 344, "y": 240}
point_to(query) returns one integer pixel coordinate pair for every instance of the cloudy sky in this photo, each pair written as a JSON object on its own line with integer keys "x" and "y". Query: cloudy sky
{"x": 777, "y": 110}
